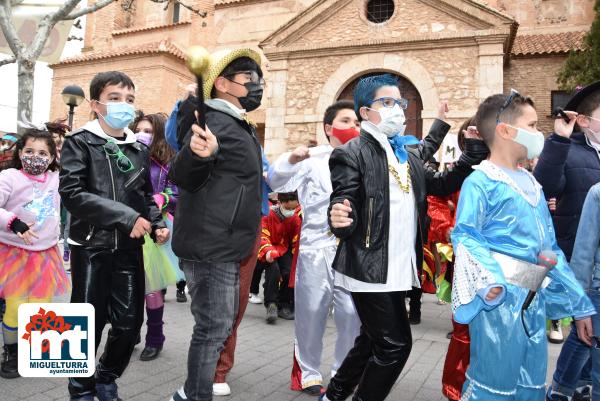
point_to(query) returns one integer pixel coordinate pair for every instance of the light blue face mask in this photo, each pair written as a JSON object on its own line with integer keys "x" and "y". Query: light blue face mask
{"x": 118, "y": 114}
{"x": 533, "y": 141}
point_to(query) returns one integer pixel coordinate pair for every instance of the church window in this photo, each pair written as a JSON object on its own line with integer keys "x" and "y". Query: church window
{"x": 379, "y": 11}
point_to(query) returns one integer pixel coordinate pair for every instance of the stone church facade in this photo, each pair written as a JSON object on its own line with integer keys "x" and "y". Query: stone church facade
{"x": 314, "y": 52}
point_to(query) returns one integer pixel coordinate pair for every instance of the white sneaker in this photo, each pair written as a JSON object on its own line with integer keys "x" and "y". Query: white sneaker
{"x": 555, "y": 336}
{"x": 255, "y": 299}
{"x": 221, "y": 389}
{"x": 179, "y": 395}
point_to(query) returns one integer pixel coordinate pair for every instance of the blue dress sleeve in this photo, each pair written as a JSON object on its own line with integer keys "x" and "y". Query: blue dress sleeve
{"x": 475, "y": 270}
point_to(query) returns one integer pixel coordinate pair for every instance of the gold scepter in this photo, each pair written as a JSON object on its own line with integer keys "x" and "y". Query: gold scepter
{"x": 197, "y": 62}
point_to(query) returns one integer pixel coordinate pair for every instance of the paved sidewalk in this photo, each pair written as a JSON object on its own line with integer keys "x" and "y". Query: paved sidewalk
{"x": 263, "y": 361}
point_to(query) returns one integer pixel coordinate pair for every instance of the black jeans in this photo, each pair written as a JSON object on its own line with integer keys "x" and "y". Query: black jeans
{"x": 380, "y": 350}
{"x": 277, "y": 278}
{"x": 256, "y": 277}
{"x": 415, "y": 301}
{"x": 112, "y": 281}
{"x": 214, "y": 292}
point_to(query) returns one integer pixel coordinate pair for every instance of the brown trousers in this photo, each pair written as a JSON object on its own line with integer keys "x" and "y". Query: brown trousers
{"x": 227, "y": 355}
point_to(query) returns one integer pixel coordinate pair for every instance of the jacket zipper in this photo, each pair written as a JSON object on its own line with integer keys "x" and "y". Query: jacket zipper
{"x": 237, "y": 206}
{"x": 90, "y": 233}
{"x": 112, "y": 180}
{"x": 132, "y": 179}
{"x": 368, "y": 239}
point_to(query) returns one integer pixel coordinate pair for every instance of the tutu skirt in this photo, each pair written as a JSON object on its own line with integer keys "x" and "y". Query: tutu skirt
{"x": 160, "y": 263}
{"x": 31, "y": 274}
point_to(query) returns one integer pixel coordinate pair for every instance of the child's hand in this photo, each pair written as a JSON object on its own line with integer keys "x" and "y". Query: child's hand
{"x": 141, "y": 228}
{"x": 271, "y": 256}
{"x": 442, "y": 110}
{"x": 28, "y": 236}
{"x": 339, "y": 214}
{"x": 493, "y": 293}
{"x": 299, "y": 154}
{"x": 562, "y": 128}
{"x": 162, "y": 235}
{"x": 203, "y": 142}
{"x": 584, "y": 330}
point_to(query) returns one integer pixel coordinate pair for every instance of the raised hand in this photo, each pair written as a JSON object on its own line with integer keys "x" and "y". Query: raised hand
{"x": 203, "y": 142}
{"x": 299, "y": 154}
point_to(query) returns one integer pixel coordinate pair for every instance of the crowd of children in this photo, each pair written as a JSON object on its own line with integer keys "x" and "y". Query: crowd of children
{"x": 155, "y": 200}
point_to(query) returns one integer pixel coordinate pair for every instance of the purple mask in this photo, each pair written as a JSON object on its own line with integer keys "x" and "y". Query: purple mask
{"x": 144, "y": 138}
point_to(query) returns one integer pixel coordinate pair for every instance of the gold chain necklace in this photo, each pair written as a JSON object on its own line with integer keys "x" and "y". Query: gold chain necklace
{"x": 403, "y": 187}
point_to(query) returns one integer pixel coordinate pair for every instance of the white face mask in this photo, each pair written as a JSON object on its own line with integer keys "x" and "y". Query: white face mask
{"x": 392, "y": 121}
{"x": 595, "y": 135}
{"x": 533, "y": 141}
{"x": 286, "y": 213}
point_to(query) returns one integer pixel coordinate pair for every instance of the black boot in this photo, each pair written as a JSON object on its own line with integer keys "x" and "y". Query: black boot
{"x": 9, "y": 368}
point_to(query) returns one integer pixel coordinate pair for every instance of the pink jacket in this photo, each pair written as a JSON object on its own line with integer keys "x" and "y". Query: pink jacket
{"x": 32, "y": 200}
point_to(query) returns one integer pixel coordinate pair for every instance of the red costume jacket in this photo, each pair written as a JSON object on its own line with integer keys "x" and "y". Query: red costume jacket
{"x": 278, "y": 235}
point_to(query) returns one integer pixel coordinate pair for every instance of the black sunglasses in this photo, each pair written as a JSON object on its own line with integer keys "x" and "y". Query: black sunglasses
{"x": 513, "y": 94}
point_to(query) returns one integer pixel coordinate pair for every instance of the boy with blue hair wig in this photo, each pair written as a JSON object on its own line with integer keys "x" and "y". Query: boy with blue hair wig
{"x": 378, "y": 211}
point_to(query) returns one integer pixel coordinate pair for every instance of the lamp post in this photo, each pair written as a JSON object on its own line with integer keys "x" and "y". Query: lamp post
{"x": 73, "y": 96}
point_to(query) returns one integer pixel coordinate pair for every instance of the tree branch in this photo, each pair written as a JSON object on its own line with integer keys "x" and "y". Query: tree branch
{"x": 100, "y": 4}
{"x": 7, "y": 61}
{"x": 8, "y": 29}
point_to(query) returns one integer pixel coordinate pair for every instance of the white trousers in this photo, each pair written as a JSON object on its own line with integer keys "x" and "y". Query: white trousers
{"x": 315, "y": 295}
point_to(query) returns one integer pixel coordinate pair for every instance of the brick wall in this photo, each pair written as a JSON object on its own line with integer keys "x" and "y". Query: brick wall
{"x": 547, "y": 13}
{"x": 535, "y": 77}
{"x": 159, "y": 79}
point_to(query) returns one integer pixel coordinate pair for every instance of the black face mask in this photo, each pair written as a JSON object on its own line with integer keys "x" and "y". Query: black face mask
{"x": 252, "y": 100}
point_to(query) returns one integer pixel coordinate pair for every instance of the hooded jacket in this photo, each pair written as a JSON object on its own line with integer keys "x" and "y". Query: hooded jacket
{"x": 105, "y": 202}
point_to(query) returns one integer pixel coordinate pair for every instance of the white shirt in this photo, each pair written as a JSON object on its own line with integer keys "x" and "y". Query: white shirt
{"x": 237, "y": 110}
{"x": 312, "y": 180}
{"x": 402, "y": 273}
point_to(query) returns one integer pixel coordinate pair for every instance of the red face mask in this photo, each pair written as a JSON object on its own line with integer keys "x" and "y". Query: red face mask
{"x": 344, "y": 135}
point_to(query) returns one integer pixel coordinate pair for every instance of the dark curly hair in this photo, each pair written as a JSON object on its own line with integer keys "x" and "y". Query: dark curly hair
{"x": 35, "y": 134}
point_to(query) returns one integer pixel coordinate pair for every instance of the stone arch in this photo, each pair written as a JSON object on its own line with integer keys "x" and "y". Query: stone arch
{"x": 408, "y": 67}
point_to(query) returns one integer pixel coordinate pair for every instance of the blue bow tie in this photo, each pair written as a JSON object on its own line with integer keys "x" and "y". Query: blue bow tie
{"x": 398, "y": 143}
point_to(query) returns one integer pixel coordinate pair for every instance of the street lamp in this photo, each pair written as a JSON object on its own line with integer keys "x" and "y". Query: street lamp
{"x": 73, "y": 96}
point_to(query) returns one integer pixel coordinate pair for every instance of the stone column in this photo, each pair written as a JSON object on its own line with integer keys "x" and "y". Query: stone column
{"x": 491, "y": 71}
{"x": 275, "y": 131}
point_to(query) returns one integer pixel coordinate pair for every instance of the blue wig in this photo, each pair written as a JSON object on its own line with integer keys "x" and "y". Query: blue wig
{"x": 365, "y": 89}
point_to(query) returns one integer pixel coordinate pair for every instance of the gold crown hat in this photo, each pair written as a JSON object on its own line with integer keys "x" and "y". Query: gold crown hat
{"x": 221, "y": 59}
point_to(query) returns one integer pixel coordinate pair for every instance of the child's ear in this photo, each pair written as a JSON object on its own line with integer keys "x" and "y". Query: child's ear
{"x": 504, "y": 131}
{"x": 363, "y": 113}
{"x": 583, "y": 121}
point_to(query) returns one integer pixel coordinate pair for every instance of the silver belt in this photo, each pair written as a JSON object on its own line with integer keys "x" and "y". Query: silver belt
{"x": 520, "y": 273}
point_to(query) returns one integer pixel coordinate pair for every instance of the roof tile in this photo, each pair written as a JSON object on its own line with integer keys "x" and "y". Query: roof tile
{"x": 549, "y": 43}
{"x": 164, "y": 46}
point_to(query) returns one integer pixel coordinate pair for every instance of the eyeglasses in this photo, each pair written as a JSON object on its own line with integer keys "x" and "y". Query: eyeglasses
{"x": 251, "y": 75}
{"x": 123, "y": 163}
{"x": 389, "y": 102}
{"x": 513, "y": 94}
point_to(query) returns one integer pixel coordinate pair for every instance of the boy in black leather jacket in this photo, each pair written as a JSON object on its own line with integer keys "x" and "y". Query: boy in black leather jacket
{"x": 105, "y": 185}
{"x": 378, "y": 210}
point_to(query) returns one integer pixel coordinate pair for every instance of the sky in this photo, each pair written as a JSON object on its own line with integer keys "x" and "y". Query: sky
{"x": 42, "y": 82}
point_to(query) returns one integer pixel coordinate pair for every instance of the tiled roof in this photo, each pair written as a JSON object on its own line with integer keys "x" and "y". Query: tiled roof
{"x": 164, "y": 46}
{"x": 149, "y": 28}
{"x": 549, "y": 43}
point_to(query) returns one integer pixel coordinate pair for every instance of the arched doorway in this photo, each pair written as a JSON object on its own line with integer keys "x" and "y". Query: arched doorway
{"x": 414, "y": 123}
